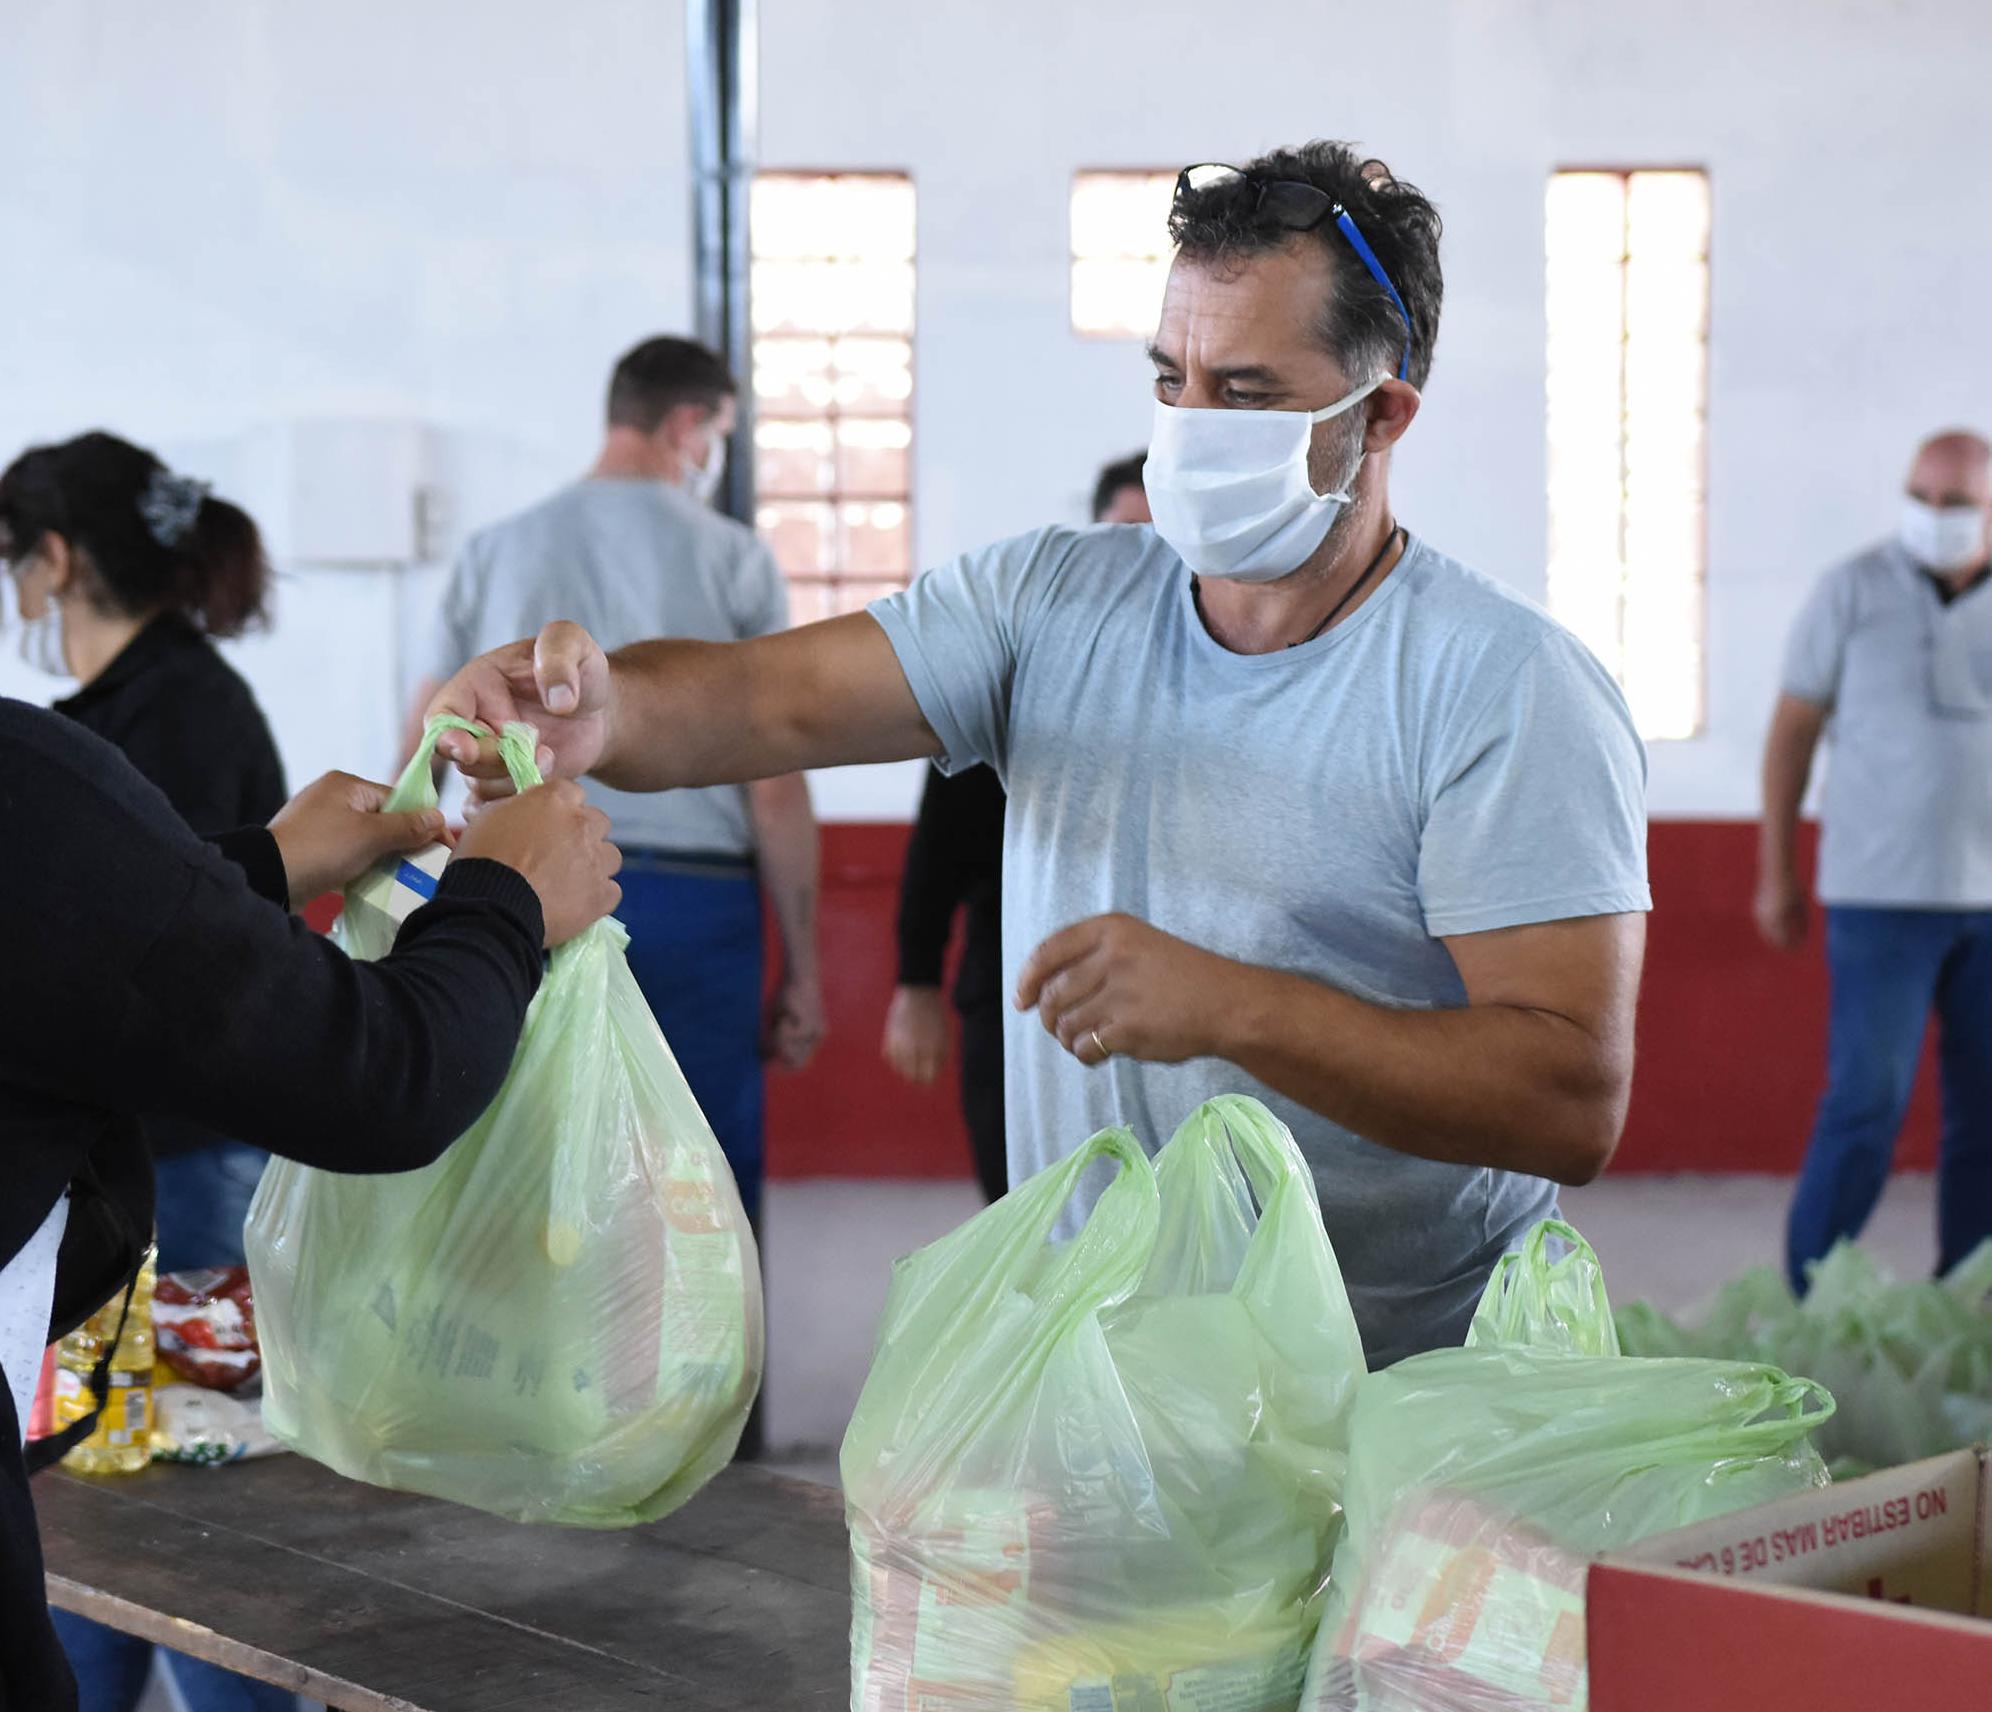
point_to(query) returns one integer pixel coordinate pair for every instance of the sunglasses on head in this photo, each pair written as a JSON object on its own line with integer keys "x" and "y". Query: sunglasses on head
{"x": 1293, "y": 206}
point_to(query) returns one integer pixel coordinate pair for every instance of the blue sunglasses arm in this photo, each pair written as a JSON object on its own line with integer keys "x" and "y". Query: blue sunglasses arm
{"x": 1360, "y": 245}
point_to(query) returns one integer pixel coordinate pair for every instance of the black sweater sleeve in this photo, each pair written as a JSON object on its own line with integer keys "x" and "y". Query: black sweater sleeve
{"x": 934, "y": 882}
{"x": 257, "y": 1027}
{"x": 254, "y": 851}
{"x": 147, "y": 977}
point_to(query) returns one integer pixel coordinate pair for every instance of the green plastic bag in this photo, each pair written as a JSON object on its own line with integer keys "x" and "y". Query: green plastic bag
{"x": 1482, "y": 1481}
{"x": 560, "y": 1319}
{"x": 1909, "y": 1363}
{"x": 1539, "y": 1302}
{"x": 1104, "y": 1473}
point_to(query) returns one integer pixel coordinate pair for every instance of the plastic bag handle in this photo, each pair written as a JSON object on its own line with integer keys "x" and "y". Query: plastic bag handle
{"x": 1102, "y": 1264}
{"x": 416, "y": 788}
{"x": 1789, "y": 1421}
{"x": 1265, "y": 1149}
{"x": 1547, "y": 1304}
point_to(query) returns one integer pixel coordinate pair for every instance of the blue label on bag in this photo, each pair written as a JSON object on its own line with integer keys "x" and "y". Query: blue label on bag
{"x": 421, "y": 884}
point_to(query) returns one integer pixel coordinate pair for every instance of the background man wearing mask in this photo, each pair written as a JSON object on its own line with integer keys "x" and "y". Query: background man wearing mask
{"x": 1299, "y": 806}
{"x": 1894, "y": 651}
{"x": 954, "y": 860}
{"x": 635, "y": 550}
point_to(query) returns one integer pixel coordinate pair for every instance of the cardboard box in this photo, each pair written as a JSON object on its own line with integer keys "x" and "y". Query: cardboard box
{"x": 1865, "y": 1597}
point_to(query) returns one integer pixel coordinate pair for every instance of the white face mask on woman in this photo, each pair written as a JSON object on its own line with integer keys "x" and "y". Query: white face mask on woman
{"x": 41, "y": 633}
{"x": 1230, "y": 491}
{"x": 41, "y": 643}
{"x": 1942, "y": 537}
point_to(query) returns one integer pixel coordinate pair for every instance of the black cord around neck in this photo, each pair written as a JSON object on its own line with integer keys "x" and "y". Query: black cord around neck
{"x": 1355, "y": 588}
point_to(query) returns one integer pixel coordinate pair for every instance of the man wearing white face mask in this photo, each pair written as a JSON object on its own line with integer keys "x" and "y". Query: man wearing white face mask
{"x": 1298, "y": 805}
{"x": 1892, "y": 661}
{"x": 636, "y": 550}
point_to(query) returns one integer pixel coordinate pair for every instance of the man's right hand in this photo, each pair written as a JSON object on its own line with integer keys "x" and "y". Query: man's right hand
{"x": 558, "y": 684}
{"x": 560, "y": 846}
{"x": 916, "y": 1033}
{"x": 1781, "y": 911}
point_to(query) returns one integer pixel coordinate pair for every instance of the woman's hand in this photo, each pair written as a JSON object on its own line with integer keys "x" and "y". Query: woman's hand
{"x": 560, "y": 845}
{"x": 333, "y": 831}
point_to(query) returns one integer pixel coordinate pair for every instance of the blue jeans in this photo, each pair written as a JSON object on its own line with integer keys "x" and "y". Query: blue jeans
{"x": 695, "y": 949}
{"x": 203, "y": 1199}
{"x": 1890, "y": 968}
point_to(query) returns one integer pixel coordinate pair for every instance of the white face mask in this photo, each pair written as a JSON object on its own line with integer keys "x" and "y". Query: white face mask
{"x": 41, "y": 643}
{"x": 41, "y": 637}
{"x": 1943, "y": 537}
{"x": 701, "y": 481}
{"x": 1230, "y": 492}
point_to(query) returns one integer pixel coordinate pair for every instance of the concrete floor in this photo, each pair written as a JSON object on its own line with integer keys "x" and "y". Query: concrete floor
{"x": 830, "y": 1245}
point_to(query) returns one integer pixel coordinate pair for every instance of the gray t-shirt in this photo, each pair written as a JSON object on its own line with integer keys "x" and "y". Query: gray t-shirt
{"x": 1908, "y": 815}
{"x": 629, "y": 560}
{"x": 1447, "y": 761}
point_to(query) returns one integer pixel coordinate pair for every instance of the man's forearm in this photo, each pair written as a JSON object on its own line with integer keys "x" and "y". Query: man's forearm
{"x": 1788, "y": 753}
{"x": 714, "y": 713}
{"x": 785, "y": 838}
{"x": 1490, "y": 1084}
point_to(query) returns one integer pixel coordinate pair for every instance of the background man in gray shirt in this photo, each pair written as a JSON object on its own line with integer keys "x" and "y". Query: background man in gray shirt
{"x": 635, "y": 551}
{"x": 1891, "y": 659}
{"x": 1299, "y": 806}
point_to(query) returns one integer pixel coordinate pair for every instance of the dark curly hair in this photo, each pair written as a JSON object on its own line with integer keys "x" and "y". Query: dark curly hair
{"x": 1360, "y": 326}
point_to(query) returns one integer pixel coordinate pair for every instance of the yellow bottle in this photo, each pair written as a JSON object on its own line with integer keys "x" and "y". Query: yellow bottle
{"x": 121, "y": 1442}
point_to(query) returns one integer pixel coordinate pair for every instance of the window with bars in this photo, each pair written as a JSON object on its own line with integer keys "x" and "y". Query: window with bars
{"x": 1627, "y": 303}
{"x": 833, "y": 383}
{"x": 1120, "y": 252}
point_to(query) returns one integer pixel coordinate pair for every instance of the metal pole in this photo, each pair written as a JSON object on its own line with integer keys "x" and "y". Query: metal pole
{"x": 723, "y": 65}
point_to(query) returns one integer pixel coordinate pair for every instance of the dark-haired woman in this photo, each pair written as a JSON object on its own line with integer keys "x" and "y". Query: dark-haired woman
{"x": 125, "y": 571}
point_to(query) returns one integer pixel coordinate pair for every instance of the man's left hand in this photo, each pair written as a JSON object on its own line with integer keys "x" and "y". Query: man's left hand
{"x": 1117, "y": 987}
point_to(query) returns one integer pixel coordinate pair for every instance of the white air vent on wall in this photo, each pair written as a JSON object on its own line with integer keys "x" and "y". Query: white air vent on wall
{"x": 342, "y": 492}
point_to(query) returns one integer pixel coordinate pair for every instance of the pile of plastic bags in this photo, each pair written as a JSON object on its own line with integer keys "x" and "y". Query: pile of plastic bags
{"x": 1910, "y": 1364}
{"x": 1483, "y": 1480}
{"x": 560, "y": 1319}
{"x": 1104, "y": 1474}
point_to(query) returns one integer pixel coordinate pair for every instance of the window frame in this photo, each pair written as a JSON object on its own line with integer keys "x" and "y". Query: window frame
{"x": 833, "y": 581}
{"x": 1073, "y": 258}
{"x": 1625, "y": 173}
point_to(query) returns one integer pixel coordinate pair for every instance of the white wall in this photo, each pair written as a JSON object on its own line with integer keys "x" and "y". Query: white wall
{"x": 222, "y": 217}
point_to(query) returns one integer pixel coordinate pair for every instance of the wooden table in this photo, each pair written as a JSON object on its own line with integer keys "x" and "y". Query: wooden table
{"x": 369, "y": 1600}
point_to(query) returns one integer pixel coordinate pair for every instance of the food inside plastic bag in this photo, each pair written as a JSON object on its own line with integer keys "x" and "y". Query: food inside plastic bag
{"x": 1909, "y": 1363}
{"x": 1483, "y": 1480}
{"x": 204, "y": 1326}
{"x": 560, "y": 1319}
{"x": 1103, "y": 1474}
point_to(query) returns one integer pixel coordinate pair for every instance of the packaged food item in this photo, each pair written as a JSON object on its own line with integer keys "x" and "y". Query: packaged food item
{"x": 207, "y": 1428}
{"x": 1103, "y": 1475}
{"x": 378, "y": 903}
{"x": 1173, "y": 1661}
{"x": 205, "y": 1326}
{"x": 557, "y": 1321}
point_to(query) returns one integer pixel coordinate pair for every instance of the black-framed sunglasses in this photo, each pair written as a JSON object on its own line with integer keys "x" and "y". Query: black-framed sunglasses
{"x": 1297, "y": 207}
